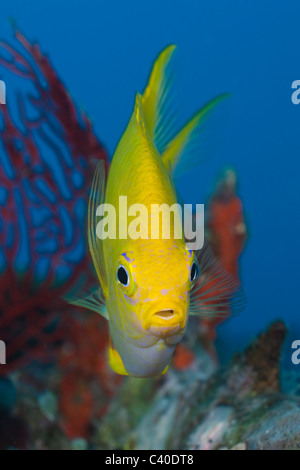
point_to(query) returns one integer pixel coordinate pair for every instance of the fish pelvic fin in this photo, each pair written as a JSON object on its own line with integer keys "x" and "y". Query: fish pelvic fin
{"x": 115, "y": 360}
{"x": 95, "y": 243}
{"x": 183, "y": 152}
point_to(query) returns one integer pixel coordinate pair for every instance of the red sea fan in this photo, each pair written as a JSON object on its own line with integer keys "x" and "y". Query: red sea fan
{"x": 45, "y": 175}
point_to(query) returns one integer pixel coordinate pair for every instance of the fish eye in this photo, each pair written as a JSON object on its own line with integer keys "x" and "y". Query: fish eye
{"x": 123, "y": 276}
{"x": 195, "y": 270}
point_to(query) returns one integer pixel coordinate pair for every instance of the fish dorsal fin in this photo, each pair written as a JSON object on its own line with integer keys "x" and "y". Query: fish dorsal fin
{"x": 155, "y": 100}
{"x": 95, "y": 244}
{"x": 184, "y": 150}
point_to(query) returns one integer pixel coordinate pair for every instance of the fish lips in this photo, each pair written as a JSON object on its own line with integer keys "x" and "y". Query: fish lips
{"x": 167, "y": 323}
{"x": 170, "y": 336}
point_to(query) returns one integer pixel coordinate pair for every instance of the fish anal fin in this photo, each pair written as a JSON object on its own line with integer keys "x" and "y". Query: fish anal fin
{"x": 115, "y": 361}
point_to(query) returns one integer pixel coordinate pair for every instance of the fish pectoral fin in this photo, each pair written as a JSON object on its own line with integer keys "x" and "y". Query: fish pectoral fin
{"x": 184, "y": 151}
{"x": 78, "y": 295}
{"x": 115, "y": 361}
{"x": 216, "y": 293}
{"x": 94, "y": 301}
{"x": 95, "y": 243}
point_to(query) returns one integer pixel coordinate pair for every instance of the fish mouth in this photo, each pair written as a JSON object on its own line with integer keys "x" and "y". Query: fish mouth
{"x": 165, "y": 322}
{"x": 165, "y": 314}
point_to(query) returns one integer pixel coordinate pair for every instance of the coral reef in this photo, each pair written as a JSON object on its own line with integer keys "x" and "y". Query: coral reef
{"x": 227, "y": 233}
{"x": 239, "y": 407}
{"x": 88, "y": 384}
{"x": 73, "y": 400}
{"x": 47, "y": 161}
{"x": 45, "y": 173}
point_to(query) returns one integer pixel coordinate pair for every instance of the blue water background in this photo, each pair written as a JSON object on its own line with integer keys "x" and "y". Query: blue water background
{"x": 104, "y": 50}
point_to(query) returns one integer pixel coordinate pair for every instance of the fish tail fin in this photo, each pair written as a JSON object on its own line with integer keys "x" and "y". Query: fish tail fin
{"x": 183, "y": 151}
{"x": 155, "y": 99}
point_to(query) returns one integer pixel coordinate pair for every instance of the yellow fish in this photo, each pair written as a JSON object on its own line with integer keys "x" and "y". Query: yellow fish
{"x": 146, "y": 285}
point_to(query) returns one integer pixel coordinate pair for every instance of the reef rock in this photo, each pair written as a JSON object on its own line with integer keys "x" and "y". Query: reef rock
{"x": 240, "y": 407}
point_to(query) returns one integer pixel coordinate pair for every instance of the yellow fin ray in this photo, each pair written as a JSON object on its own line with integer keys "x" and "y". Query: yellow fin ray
{"x": 95, "y": 244}
{"x": 217, "y": 293}
{"x": 115, "y": 361}
{"x": 183, "y": 149}
{"x": 155, "y": 99}
{"x": 94, "y": 301}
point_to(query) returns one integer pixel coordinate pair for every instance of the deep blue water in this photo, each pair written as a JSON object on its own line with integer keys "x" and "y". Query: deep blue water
{"x": 104, "y": 50}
